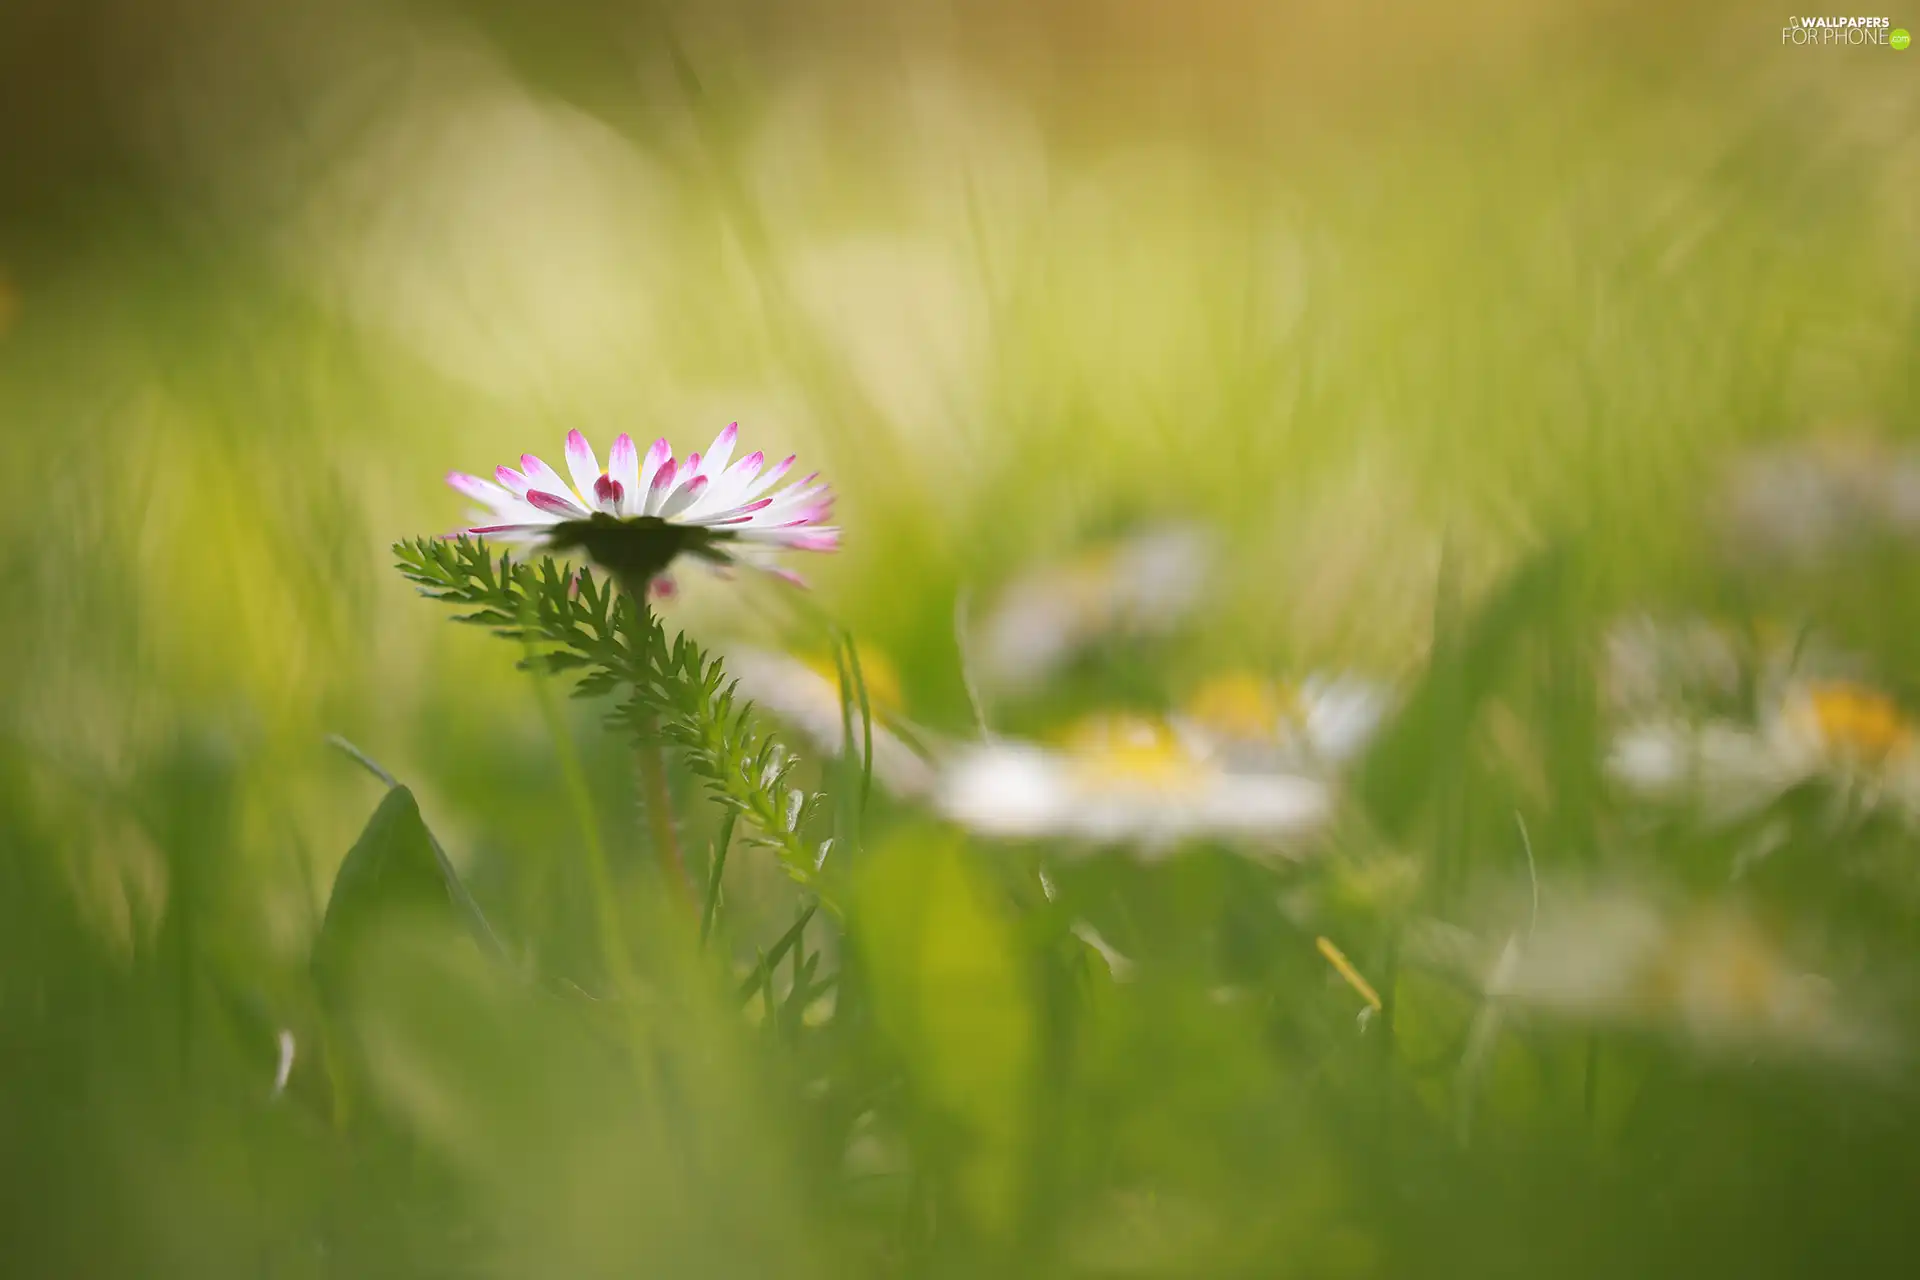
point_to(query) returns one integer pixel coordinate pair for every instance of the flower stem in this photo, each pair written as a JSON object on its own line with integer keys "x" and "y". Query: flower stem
{"x": 656, "y": 797}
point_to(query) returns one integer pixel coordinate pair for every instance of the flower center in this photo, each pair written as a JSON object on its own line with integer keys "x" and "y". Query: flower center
{"x": 1242, "y": 707}
{"x": 1856, "y": 721}
{"x": 1117, "y": 752}
{"x": 1718, "y": 972}
{"x": 876, "y": 672}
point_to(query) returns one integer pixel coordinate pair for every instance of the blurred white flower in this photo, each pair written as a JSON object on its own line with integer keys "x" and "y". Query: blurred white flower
{"x": 1143, "y": 583}
{"x": 1324, "y": 721}
{"x": 1124, "y": 780}
{"x": 1711, "y": 975}
{"x": 1843, "y": 730}
{"x": 639, "y": 513}
{"x": 1652, "y": 664}
{"x": 807, "y": 696}
{"x": 1798, "y": 503}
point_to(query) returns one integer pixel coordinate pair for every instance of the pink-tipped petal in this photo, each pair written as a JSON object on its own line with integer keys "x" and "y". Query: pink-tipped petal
{"x": 504, "y": 532}
{"x": 730, "y": 486}
{"x": 658, "y": 456}
{"x": 661, "y": 486}
{"x": 819, "y": 540}
{"x": 684, "y": 497}
{"x": 663, "y": 588}
{"x": 515, "y": 483}
{"x": 713, "y": 511}
{"x": 770, "y": 479}
{"x": 482, "y": 491}
{"x": 795, "y": 498}
{"x": 583, "y": 464}
{"x": 721, "y": 450}
{"x": 809, "y": 515}
{"x": 540, "y": 476}
{"x": 555, "y": 505}
{"x": 788, "y": 575}
{"x": 607, "y": 492}
{"x": 623, "y": 466}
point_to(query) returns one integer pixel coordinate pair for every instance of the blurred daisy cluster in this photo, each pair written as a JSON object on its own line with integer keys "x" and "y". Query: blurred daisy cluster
{"x": 1754, "y": 746}
{"x": 1244, "y": 757}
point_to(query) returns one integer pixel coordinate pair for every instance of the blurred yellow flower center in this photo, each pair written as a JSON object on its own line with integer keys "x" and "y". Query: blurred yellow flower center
{"x": 1856, "y": 721}
{"x": 1726, "y": 972}
{"x": 880, "y": 676}
{"x": 1241, "y": 706}
{"x": 1113, "y": 751}
{"x": 1730, "y": 969}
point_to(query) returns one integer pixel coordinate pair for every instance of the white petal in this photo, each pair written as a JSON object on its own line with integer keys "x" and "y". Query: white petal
{"x": 683, "y": 497}
{"x": 542, "y": 477}
{"x": 623, "y": 465}
{"x": 496, "y": 499}
{"x": 584, "y": 467}
{"x": 768, "y": 479}
{"x": 658, "y": 456}
{"x": 560, "y": 506}
{"x": 715, "y": 460}
{"x": 660, "y": 488}
{"x": 1005, "y": 790}
{"x": 729, "y": 487}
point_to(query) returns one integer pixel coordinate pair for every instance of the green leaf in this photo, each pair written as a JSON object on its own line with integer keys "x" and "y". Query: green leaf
{"x": 771, "y": 960}
{"x": 678, "y": 695}
{"x": 952, "y": 995}
{"x": 396, "y": 869}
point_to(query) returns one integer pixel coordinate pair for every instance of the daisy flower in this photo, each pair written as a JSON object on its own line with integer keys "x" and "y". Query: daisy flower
{"x": 1654, "y": 663}
{"x": 1795, "y": 506}
{"x": 1712, "y": 975}
{"x": 1123, "y": 780}
{"x": 1142, "y": 583}
{"x": 1324, "y": 721}
{"x": 1841, "y": 730}
{"x": 635, "y": 516}
{"x": 806, "y": 695}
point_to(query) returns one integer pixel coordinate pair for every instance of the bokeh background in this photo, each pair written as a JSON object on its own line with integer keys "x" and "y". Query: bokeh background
{"x": 1414, "y": 308}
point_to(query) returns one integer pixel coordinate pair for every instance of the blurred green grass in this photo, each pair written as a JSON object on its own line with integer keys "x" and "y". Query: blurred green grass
{"x": 1396, "y": 309}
